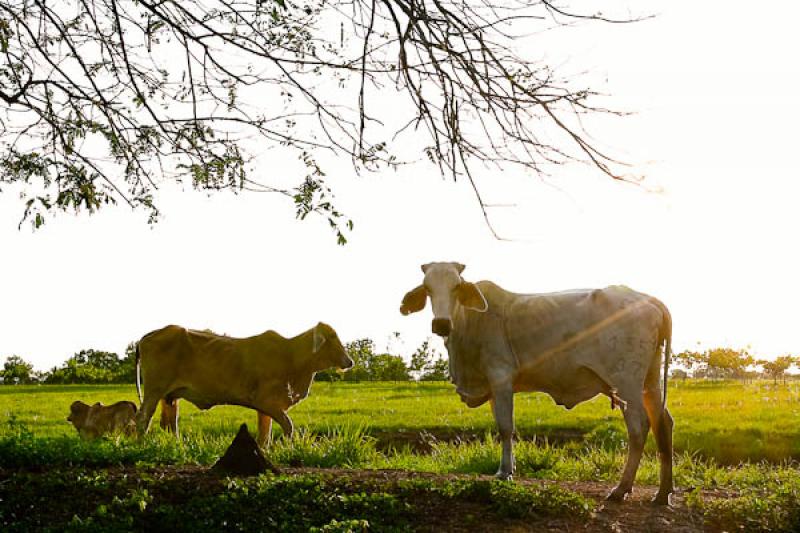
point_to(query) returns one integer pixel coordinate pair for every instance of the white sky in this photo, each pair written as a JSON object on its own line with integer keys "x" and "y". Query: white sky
{"x": 715, "y": 85}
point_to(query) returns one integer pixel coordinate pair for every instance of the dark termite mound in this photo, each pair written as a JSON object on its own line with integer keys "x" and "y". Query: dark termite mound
{"x": 243, "y": 457}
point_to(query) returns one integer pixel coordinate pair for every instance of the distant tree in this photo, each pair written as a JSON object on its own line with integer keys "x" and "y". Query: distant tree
{"x": 17, "y": 371}
{"x": 421, "y": 359}
{"x": 689, "y": 360}
{"x": 73, "y": 372}
{"x": 361, "y": 351}
{"x": 126, "y": 370}
{"x": 371, "y": 366}
{"x": 438, "y": 370}
{"x": 98, "y": 359}
{"x": 745, "y": 361}
{"x": 387, "y": 367}
{"x": 427, "y": 364}
{"x": 727, "y": 363}
{"x": 91, "y": 366}
{"x": 777, "y": 368}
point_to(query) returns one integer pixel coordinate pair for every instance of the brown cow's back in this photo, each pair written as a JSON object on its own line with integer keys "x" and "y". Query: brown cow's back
{"x": 209, "y": 369}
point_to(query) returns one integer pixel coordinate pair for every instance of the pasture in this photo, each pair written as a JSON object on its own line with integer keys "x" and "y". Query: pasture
{"x": 403, "y": 445}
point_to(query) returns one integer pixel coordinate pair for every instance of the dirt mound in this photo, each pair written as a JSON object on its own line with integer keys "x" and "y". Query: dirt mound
{"x": 243, "y": 457}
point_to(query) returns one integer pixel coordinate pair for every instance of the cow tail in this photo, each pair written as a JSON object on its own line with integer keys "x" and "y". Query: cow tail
{"x": 666, "y": 336}
{"x": 139, "y": 374}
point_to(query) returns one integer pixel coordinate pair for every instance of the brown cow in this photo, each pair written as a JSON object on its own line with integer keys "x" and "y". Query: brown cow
{"x": 91, "y": 421}
{"x": 267, "y": 372}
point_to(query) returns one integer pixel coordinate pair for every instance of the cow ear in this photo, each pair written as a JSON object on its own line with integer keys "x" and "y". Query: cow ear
{"x": 425, "y": 267}
{"x": 414, "y": 300}
{"x": 319, "y": 339}
{"x": 460, "y": 267}
{"x": 470, "y": 296}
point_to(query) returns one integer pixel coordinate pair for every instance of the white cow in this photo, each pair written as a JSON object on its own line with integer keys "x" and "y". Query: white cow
{"x": 572, "y": 345}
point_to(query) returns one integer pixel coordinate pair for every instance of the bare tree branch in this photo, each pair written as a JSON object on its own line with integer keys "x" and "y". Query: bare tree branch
{"x": 103, "y": 100}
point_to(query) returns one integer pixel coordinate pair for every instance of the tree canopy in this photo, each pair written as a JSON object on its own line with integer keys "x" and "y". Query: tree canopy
{"x": 776, "y": 369}
{"x": 95, "y": 366}
{"x": 427, "y": 364}
{"x": 731, "y": 363}
{"x": 17, "y": 371}
{"x": 103, "y": 101}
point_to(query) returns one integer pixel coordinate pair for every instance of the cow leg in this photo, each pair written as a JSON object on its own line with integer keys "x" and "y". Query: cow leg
{"x": 638, "y": 426}
{"x": 284, "y": 422}
{"x": 264, "y": 430}
{"x": 280, "y": 417}
{"x": 145, "y": 413}
{"x": 267, "y": 409}
{"x": 169, "y": 415}
{"x": 662, "y": 423}
{"x": 503, "y": 407}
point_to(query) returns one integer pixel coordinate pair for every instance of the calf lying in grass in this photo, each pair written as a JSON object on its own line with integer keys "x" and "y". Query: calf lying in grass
{"x": 92, "y": 421}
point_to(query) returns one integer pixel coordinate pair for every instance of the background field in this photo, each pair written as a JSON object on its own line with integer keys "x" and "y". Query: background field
{"x": 724, "y": 420}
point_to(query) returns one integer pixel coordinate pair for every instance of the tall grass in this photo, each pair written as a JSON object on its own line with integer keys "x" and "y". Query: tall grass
{"x": 726, "y": 434}
{"x": 352, "y": 447}
{"x": 727, "y": 421}
{"x": 347, "y": 446}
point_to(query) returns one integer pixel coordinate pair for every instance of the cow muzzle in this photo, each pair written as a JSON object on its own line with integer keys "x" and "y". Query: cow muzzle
{"x": 441, "y": 326}
{"x": 347, "y": 364}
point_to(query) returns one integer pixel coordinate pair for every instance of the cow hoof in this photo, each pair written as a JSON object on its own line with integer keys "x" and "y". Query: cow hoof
{"x": 504, "y": 476}
{"x": 617, "y": 495}
{"x": 662, "y": 499}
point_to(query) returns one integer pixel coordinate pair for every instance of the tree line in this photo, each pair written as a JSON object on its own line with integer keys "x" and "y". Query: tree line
{"x": 85, "y": 366}
{"x": 729, "y": 363}
{"x": 97, "y": 366}
{"x": 371, "y": 364}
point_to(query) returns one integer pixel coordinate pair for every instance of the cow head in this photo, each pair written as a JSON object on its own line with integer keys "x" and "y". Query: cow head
{"x": 328, "y": 349}
{"x": 445, "y": 287}
{"x": 77, "y": 414}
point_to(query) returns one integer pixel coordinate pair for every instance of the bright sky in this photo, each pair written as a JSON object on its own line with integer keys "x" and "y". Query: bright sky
{"x": 714, "y": 84}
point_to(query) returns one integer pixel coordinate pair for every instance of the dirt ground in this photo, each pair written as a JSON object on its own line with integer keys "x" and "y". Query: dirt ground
{"x": 437, "y": 514}
{"x": 634, "y": 514}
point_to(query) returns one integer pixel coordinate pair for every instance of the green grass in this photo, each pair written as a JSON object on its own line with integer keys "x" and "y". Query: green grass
{"x": 772, "y": 506}
{"x": 726, "y": 421}
{"x": 726, "y": 434}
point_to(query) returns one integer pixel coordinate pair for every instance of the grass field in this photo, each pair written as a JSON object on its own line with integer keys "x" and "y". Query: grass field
{"x": 727, "y": 421}
{"x": 740, "y": 439}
